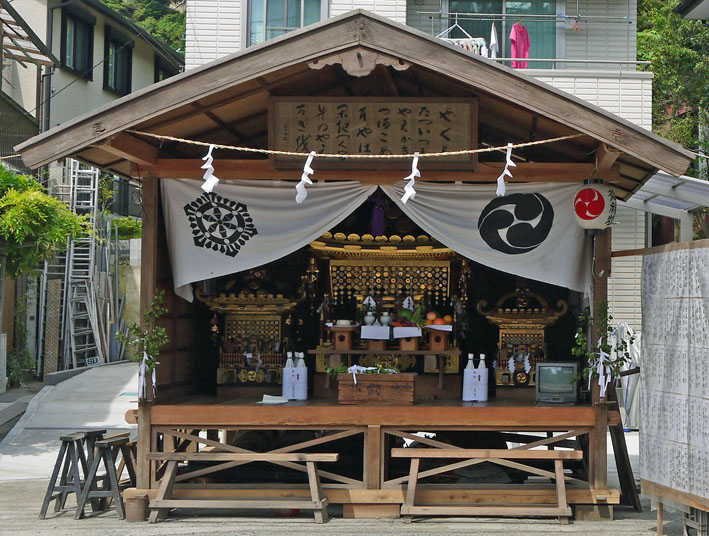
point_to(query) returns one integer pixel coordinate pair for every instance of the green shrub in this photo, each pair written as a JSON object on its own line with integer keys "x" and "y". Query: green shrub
{"x": 128, "y": 228}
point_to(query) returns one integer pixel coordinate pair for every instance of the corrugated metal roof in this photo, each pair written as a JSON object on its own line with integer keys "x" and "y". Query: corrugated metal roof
{"x": 666, "y": 195}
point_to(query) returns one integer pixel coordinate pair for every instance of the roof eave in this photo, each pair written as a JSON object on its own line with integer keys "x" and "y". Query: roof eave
{"x": 360, "y": 28}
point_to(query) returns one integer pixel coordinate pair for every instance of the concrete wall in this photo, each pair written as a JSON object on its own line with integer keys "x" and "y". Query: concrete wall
{"x": 129, "y": 284}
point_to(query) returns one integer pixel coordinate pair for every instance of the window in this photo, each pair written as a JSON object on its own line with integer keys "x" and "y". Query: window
{"x": 77, "y": 46}
{"x": 271, "y": 18}
{"x": 542, "y": 31}
{"x": 117, "y": 66}
{"x": 163, "y": 69}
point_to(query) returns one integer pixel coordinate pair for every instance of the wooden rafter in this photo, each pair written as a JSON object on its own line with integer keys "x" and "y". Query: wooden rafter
{"x": 132, "y": 149}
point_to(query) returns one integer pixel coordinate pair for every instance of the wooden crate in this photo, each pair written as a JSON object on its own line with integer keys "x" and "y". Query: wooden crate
{"x": 395, "y": 389}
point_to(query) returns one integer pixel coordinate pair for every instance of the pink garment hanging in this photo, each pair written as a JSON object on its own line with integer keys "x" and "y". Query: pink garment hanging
{"x": 520, "y": 45}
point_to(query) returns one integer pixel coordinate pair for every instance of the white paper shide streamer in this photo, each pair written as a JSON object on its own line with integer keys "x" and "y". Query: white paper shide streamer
{"x": 358, "y": 369}
{"x": 603, "y": 371}
{"x": 301, "y": 193}
{"x": 210, "y": 180}
{"x": 501, "y": 187}
{"x": 142, "y": 384}
{"x": 409, "y": 192}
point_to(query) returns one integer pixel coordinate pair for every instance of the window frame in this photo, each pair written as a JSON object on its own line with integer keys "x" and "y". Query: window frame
{"x": 83, "y": 18}
{"x": 162, "y": 66}
{"x": 126, "y": 47}
{"x": 246, "y": 33}
{"x": 504, "y": 31}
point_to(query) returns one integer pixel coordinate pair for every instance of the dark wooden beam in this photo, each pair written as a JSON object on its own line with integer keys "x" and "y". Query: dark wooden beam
{"x": 132, "y": 149}
{"x": 487, "y": 172}
{"x": 220, "y": 123}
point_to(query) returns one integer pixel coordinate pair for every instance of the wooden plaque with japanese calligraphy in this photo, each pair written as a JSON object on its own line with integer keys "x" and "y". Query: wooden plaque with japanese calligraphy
{"x": 373, "y": 125}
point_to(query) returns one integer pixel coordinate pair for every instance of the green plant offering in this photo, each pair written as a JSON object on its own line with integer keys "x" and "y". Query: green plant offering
{"x": 613, "y": 356}
{"x": 147, "y": 340}
{"x": 334, "y": 371}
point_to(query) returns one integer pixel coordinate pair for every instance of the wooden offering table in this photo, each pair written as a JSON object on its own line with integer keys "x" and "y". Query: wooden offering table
{"x": 376, "y": 486}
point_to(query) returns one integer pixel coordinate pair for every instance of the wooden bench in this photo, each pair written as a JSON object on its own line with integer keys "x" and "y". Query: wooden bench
{"x": 501, "y": 456}
{"x": 164, "y": 501}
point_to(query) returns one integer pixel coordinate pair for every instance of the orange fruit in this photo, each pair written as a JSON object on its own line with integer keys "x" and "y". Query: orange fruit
{"x": 439, "y": 322}
{"x": 431, "y": 315}
{"x": 448, "y": 319}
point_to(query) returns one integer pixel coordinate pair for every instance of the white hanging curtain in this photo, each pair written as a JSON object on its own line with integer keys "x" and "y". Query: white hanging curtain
{"x": 530, "y": 232}
{"x": 244, "y": 224}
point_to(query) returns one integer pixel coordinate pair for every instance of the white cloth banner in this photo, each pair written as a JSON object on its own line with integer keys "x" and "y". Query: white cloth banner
{"x": 245, "y": 224}
{"x": 530, "y": 232}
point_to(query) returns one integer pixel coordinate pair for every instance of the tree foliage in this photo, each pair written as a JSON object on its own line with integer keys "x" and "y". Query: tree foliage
{"x": 34, "y": 226}
{"x": 679, "y": 52}
{"x": 157, "y": 17}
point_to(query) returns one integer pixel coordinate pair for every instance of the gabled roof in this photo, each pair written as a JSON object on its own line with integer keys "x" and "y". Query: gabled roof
{"x": 226, "y": 101}
{"x": 19, "y": 42}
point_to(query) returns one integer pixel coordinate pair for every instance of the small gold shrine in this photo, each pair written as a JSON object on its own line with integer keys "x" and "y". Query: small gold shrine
{"x": 522, "y": 317}
{"x": 252, "y": 327}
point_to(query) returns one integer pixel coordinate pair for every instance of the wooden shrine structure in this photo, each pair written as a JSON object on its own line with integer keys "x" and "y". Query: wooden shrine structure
{"x": 253, "y": 98}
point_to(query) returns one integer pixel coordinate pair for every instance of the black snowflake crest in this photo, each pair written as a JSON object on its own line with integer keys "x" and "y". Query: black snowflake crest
{"x": 220, "y": 224}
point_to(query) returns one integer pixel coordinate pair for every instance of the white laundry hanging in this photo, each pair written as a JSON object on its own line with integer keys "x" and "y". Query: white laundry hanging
{"x": 494, "y": 44}
{"x": 476, "y": 45}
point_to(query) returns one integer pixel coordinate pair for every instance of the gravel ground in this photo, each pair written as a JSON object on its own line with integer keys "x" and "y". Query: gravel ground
{"x": 20, "y": 502}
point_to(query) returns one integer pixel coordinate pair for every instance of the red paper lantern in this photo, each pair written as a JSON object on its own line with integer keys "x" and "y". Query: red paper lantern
{"x": 594, "y": 205}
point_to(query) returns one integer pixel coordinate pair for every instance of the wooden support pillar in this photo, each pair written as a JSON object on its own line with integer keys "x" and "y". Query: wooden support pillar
{"x": 598, "y": 462}
{"x": 373, "y": 457}
{"x": 148, "y": 282}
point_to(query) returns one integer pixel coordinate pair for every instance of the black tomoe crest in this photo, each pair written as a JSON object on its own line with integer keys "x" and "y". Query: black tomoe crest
{"x": 516, "y": 223}
{"x": 220, "y": 224}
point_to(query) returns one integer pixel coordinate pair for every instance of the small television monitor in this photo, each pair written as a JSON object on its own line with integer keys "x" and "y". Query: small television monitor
{"x": 555, "y": 384}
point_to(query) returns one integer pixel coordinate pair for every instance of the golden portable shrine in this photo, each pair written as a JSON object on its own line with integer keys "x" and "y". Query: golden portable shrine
{"x": 288, "y": 279}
